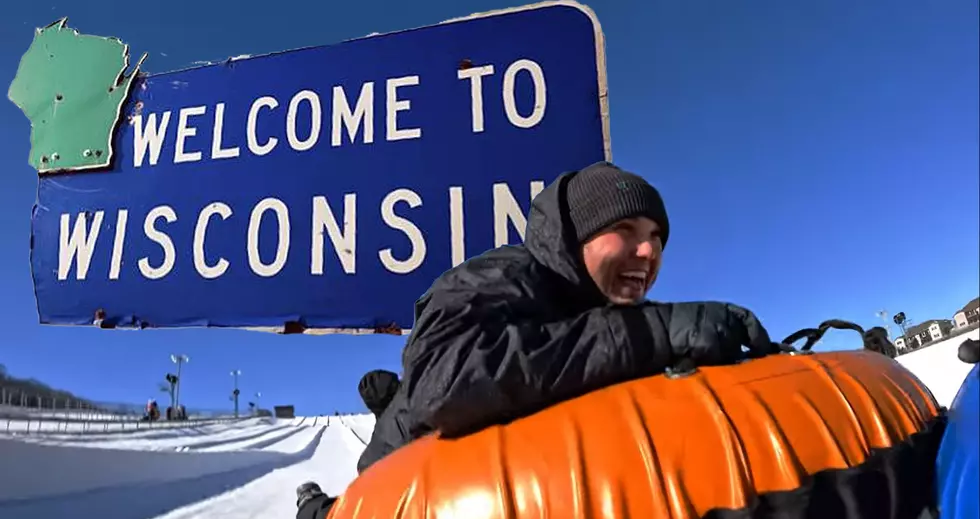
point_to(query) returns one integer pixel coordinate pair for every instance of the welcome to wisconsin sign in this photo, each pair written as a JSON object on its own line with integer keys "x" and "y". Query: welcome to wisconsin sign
{"x": 320, "y": 189}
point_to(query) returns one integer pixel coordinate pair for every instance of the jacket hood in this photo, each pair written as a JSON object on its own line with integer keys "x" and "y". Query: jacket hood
{"x": 550, "y": 238}
{"x": 377, "y": 388}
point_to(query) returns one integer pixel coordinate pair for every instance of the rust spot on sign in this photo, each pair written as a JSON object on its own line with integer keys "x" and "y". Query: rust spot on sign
{"x": 291, "y": 327}
{"x": 388, "y": 329}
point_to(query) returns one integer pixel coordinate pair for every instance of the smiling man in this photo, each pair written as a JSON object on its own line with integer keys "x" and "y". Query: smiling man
{"x": 521, "y": 327}
{"x": 624, "y": 259}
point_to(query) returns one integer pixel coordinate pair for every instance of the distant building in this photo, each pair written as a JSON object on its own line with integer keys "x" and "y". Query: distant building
{"x": 937, "y": 329}
{"x": 923, "y": 333}
{"x": 900, "y": 343}
{"x": 284, "y": 411}
{"x": 969, "y": 315}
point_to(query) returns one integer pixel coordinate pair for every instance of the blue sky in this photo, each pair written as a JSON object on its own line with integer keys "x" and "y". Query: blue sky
{"x": 819, "y": 160}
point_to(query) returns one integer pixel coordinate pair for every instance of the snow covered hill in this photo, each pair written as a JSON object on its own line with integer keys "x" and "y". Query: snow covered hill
{"x": 247, "y": 469}
{"x": 939, "y": 368}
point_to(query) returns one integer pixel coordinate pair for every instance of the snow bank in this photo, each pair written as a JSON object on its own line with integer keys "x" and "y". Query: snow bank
{"x": 939, "y": 368}
{"x": 77, "y": 414}
{"x": 168, "y": 439}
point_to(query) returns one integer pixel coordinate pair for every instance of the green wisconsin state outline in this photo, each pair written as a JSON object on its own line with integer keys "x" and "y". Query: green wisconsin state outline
{"x": 72, "y": 87}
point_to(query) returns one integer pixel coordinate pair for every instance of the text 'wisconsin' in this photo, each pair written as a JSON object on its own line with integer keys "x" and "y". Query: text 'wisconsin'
{"x": 82, "y": 239}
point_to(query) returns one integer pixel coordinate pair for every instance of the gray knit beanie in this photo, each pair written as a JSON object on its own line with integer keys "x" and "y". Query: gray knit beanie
{"x": 603, "y": 194}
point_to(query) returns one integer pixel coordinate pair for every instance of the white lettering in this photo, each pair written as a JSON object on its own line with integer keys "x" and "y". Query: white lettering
{"x": 537, "y": 187}
{"x": 316, "y": 116}
{"x": 117, "y": 245}
{"x": 396, "y": 222}
{"x": 184, "y": 131}
{"x": 200, "y": 260}
{"x": 77, "y": 242}
{"x": 162, "y": 239}
{"x": 475, "y": 75}
{"x": 150, "y": 137}
{"x": 342, "y": 115}
{"x": 506, "y": 210}
{"x": 217, "y": 152}
{"x": 394, "y": 105}
{"x": 253, "y": 120}
{"x": 78, "y": 239}
{"x": 345, "y": 244}
{"x": 282, "y": 241}
{"x": 540, "y": 94}
{"x": 456, "y": 234}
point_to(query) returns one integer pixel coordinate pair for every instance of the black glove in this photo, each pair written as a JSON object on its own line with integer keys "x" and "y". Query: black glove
{"x": 708, "y": 333}
{"x": 311, "y": 502}
{"x": 876, "y": 339}
{"x": 377, "y": 388}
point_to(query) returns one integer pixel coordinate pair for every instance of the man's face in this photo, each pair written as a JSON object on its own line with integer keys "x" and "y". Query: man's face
{"x": 624, "y": 259}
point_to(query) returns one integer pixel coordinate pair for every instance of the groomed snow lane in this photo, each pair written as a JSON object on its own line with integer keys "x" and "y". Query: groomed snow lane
{"x": 142, "y": 482}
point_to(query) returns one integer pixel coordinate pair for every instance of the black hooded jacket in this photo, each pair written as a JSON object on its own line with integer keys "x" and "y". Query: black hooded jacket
{"x": 518, "y": 328}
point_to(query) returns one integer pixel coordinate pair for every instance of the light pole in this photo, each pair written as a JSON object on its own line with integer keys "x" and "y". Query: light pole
{"x": 883, "y": 315}
{"x": 179, "y": 360}
{"x": 235, "y": 393}
{"x": 902, "y": 323}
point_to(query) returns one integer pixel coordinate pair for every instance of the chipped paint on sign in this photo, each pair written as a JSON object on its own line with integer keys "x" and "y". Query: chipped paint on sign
{"x": 72, "y": 87}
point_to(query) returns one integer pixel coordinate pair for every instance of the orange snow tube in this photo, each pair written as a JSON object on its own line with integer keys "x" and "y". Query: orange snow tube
{"x": 677, "y": 447}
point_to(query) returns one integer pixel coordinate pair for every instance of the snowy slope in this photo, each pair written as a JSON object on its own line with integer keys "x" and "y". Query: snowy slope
{"x": 362, "y": 425}
{"x": 245, "y": 469}
{"x": 939, "y": 368}
{"x": 332, "y": 464}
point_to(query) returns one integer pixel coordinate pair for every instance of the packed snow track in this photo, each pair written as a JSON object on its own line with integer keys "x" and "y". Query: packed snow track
{"x": 247, "y": 469}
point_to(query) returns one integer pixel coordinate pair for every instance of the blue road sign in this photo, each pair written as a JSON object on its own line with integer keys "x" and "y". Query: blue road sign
{"x": 326, "y": 186}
